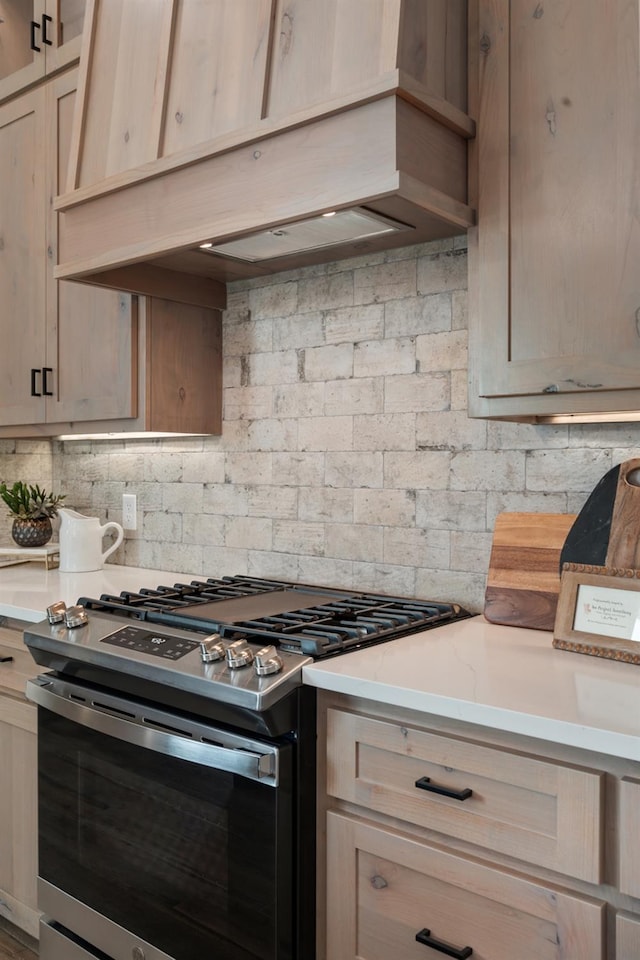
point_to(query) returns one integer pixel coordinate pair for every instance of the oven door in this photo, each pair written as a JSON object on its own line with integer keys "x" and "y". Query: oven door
{"x": 161, "y": 836}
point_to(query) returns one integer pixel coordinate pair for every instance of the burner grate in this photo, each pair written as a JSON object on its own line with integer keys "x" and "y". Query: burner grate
{"x": 280, "y": 612}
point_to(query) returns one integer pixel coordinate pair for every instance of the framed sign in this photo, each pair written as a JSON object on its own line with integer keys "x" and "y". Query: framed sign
{"x": 599, "y": 612}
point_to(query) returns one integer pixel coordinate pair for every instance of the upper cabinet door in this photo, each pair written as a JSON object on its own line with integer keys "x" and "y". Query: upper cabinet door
{"x": 37, "y": 37}
{"x": 22, "y": 60}
{"x": 22, "y": 258}
{"x": 555, "y": 261}
{"x": 91, "y": 333}
{"x": 64, "y": 32}
{"x": 69, "y": 350}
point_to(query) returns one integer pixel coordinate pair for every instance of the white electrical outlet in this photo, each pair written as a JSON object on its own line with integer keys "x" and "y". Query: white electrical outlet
{"x": 129, "y": 514}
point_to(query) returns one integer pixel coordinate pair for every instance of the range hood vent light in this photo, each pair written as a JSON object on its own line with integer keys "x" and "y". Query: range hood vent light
{"x": 326, "y": 230}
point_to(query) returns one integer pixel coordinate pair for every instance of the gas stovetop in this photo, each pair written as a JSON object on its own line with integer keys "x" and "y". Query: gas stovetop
{"x": 240, "y": 640}
{"x": 300, "y": 618}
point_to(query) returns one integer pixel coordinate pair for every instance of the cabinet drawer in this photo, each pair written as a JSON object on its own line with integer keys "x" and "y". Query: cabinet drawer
{"x": 384, "y": 888}
{"x": 627, "y": 937}
{"x": 540, "y": 811}
{"x": 18, "y": 713}
{"x": 15, "y": 673}
{"x": 13, "y": 636}
{"x": 629, "y": 827}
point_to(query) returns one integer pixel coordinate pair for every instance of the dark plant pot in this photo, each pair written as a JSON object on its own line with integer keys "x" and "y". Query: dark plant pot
{"x": 31, "y": 533}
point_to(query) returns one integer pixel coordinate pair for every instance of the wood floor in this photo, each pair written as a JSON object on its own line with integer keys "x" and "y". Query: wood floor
{"x": 15, "y": 944}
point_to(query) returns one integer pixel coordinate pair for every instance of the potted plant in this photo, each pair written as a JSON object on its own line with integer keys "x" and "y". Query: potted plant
{"x": 32, "y": 509}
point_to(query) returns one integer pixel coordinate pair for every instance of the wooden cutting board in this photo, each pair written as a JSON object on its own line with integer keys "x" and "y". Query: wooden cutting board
{"x": 524, "y": 569}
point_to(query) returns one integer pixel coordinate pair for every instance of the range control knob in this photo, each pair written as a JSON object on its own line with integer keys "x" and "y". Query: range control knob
{"x": 75, "y": 617}
{"x": 56, "y": 612}
{"x": 239, "y": 654}
{"x": 212, "y": 648}
{"x": 267, "y": 661}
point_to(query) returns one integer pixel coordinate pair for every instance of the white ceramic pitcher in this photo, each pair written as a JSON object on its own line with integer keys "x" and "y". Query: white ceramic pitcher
{"x": 81, "y": 541}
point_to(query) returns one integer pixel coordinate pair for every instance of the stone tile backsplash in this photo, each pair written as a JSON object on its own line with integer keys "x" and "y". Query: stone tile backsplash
{"x": 346, "y": 456}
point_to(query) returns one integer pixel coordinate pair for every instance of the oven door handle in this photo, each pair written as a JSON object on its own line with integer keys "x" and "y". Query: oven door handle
{"x": 242, "y": 760}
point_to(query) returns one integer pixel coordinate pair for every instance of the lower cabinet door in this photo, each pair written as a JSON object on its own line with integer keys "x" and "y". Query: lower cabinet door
{"x": 390, "y": 897}
{"x": 18, "y": 814}
{"x": 629, "y": 816}
{"x": 627, "y": 937}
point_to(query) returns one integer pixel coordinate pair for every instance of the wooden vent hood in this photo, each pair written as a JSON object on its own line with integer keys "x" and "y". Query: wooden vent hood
{"x": 213, "y": 137}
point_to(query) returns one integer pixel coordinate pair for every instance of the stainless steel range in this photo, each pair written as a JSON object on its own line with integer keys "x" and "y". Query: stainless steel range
{"x": 177, "y": 764}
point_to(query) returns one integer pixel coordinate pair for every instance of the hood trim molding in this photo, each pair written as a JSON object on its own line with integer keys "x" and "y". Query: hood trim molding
{"x": 395, "y": 83}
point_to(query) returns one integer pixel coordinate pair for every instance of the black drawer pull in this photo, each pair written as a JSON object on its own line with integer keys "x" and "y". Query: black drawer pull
{"x": 34, "y": 376}
{"x": 424, "y": 783}
{"x": 34, "y": 26}
{"x": 460, "y": 953}
{"x": 45, "y": 20}
{"x": 45, "y": 386}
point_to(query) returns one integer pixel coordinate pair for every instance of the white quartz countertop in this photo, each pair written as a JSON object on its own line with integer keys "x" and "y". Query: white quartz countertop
{"x": 506, "y": 678}
{"x": 28, "y": 589}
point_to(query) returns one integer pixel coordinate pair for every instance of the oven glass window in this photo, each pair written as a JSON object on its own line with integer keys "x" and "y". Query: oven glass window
{"x": 194, "y": 860}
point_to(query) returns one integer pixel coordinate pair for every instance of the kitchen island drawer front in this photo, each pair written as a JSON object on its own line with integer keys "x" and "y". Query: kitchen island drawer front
{"x": 630, "y": 827}
{"x": 627, "y": 937}
{"x": 385, "y": 888}
{"x": 539, "y": 811}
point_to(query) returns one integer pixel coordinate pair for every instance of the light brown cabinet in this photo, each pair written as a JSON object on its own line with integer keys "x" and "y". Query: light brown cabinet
{"x": 37, "y": 37}
{"x": 178, "y": 372}
{"x": 541, "y": 812}
{"x": 80, "y": 359}
{"x": 554, "y": 285}
{"x": 630, "y": 827}
{"x": 441, "y": 833}
{"x": 404, "y": 899}
{"x": 65, "y": 346}
{"x": 627, "y": 937}
{"x": 18, "y": 796}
